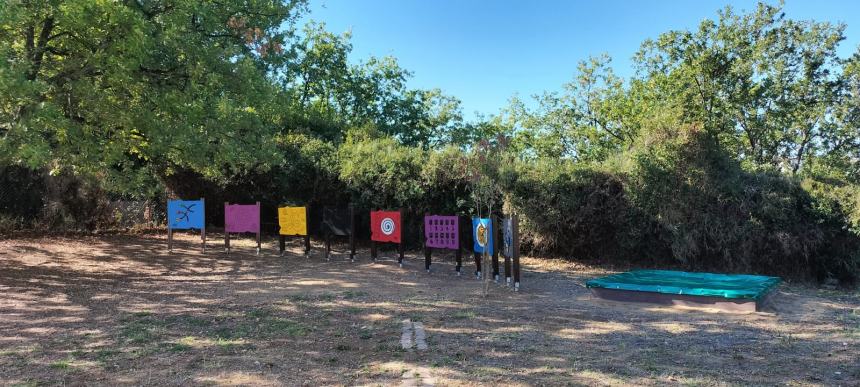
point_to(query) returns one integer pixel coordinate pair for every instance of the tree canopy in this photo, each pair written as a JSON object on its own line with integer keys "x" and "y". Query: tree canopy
{"x": 734, "y": 144}
{"x": 772, "y": 90}
{"x": 134, "y": 90}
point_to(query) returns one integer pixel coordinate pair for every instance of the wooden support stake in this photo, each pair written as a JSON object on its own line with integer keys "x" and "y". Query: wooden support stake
{"x": 226, "y": 233}
{"x": 203, "y": 226}
{"x": 460, "y": 234}
{"x": 282, "y": 244}
{"x": 427, "y": 253}
{"x": 259, "y": 240}
{"x": 307, "y": 231}
{"x": 373, "y": 245}
{"x": 507, "y": 256}
{"x": 427, "y": 250}
{"x": 515, "y": 230}
{"x": 227, "y": 241}
{"x": 169, "y": 237}
{"x": 495, "y": 233}
{"x": 400, "y": 248}
{"x": 352, "y": 233}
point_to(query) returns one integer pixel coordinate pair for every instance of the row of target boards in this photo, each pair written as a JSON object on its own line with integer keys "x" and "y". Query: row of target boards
{"x": 490, "y": 236}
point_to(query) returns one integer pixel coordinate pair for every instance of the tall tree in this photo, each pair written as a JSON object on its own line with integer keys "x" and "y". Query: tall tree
{"x": 594, "y": 116}
{"x": 131, "y": 89}
{"x": 764, "y": 85}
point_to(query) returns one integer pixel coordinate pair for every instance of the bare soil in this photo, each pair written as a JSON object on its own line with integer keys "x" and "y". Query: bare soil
{"x": 120, "y": 310}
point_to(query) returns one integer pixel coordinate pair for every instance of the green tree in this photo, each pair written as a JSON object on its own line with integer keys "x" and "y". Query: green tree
{"x": 594, "y": 116}
{"x": 333, "y": 94}
{"x": 135, "y": 89}
{"x": 763, "y": 84}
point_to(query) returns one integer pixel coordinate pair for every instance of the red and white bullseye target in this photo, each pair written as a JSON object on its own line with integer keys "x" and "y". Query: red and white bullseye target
{"x": 385, "y": 226}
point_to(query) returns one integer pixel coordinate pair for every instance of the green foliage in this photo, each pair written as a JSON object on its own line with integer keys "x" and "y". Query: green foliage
{"x": 681, "y": 200}
{"x": 734, "y": 147}
{"x": 310, "y": 172}
{"x": 770, "y": 89}
{"x": 331, "y": 94}
{"x": 22, "y": 193}
{"x": 714, "y": 215}
{"x": 761, "y": 83}
{"x": 592, "y": 118}
{"x": 381, "y": 173}
{"x": 120, "y": 90}
{"x": 445, "y": 184}
{"x": 573, "y": 209}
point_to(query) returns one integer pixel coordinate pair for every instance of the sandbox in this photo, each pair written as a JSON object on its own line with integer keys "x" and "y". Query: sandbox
{"x": 729, "y": 292}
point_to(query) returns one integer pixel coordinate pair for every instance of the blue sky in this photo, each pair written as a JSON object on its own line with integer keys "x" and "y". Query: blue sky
{"x": 483, "y": 52}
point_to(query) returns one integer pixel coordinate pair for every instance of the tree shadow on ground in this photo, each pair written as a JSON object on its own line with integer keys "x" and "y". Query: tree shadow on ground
{"x": 120, "y": 310}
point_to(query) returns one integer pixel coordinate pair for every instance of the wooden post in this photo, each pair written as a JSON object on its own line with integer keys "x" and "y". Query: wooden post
{"x": 307, "y": 231}
{"x": 508, "y": 256}
{"x": 169, "y": 236}
{"x": 373, "y": 246}
{"x": 282, "y": 244}
{"x": 427, "y": 250}
{"x": 427, "y": 258}
{"x": 226, "y": 241}
{"x": 203, "y": 226}
{"x": 495, "y": 233}
{"x": 226, "y": 234}
{"x": 402, "y": 235}
{"x": 327, "y": 245}
{"x": 352, "y": 233}
{"x": 282, "y": 239}
{"x": 258, "y": 229}
{"x": 459, "y": 254}
{"x": 515, "y": 231}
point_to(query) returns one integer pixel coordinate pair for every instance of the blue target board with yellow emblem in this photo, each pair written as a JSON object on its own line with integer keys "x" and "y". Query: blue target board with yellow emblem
{"x": 482, "y": 234}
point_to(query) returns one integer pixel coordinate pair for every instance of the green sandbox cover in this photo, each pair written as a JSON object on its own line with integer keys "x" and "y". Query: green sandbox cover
{"x": 693, "y": 284}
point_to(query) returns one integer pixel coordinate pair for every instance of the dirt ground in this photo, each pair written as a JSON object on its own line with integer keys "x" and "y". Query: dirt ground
{"x": 120, "y": 310}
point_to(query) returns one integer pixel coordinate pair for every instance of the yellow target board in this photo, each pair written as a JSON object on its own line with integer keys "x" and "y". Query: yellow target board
{"x": 293, "y": 220}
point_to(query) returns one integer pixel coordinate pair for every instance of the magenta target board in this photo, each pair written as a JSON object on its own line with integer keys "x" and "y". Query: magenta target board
{"x": 242, "y": 217}
{"x": 442, "y": 232}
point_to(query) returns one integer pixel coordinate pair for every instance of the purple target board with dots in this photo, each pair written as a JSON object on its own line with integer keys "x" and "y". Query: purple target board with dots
{"x": 442, "y": 232}
{"x": 242, "y": 218}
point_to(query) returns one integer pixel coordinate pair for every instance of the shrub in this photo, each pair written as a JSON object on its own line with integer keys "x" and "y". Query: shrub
{"x": 310, "y": 172}
{"x": 675, "y": 198}
{"x": 443, "y": 179}
{"x": 713, "y": 215}
{"x": 22, "y": 194}
{"x": 380, "y": 173}
{"x": 678, "y": 199}
{"x": 574, "y": 210}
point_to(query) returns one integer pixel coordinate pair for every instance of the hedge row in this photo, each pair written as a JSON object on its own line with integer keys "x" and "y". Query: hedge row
{"x": 674, "y": 201}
